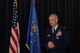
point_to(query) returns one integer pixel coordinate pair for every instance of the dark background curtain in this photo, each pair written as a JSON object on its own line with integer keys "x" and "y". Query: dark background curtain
{"x": 67, "y": 10}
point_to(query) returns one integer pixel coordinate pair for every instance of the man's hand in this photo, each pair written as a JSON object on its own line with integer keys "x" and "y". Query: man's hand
{"x": 51, "y": 45}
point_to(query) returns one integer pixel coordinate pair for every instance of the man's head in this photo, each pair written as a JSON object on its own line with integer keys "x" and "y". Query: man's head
{"x": 53, "y": 19}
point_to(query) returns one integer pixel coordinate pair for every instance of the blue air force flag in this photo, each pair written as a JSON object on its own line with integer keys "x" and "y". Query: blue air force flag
{"x": 33, "y": 39}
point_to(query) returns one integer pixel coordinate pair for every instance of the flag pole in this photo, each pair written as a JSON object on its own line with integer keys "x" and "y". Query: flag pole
{"x": 16, "y": 4}
{"x": 34, "y": 1}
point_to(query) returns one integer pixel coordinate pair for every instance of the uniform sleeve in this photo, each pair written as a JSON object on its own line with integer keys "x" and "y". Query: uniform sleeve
{"x": 46, "y": 39}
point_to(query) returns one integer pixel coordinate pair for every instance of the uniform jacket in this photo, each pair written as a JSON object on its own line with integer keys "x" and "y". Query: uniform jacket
{"x": 60, "y": 38}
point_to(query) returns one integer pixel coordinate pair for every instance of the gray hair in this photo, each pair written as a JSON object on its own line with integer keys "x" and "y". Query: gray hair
{"x": 55, "y": 15}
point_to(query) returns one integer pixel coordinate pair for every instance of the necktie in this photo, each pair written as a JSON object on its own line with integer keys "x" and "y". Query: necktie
{"x": 53, "y": 30}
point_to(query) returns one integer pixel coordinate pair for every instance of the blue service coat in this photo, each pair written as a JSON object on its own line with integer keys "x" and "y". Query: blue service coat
{"x": 60, "y": 38}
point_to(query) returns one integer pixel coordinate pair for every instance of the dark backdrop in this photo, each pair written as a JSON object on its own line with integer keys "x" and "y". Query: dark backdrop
{"x": 67, "y": 10}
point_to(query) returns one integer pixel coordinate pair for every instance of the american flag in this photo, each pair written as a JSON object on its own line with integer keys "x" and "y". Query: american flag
{"x": 14, "y": 46}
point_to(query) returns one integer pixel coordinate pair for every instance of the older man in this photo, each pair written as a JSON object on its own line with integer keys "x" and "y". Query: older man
{"x": 57, "y": 37}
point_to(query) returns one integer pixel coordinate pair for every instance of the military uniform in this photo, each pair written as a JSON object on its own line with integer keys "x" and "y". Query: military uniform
{"x": 60, "y": 38}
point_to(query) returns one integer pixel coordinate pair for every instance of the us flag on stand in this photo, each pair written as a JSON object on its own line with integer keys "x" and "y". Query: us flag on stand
{"x": 14, "y": 46}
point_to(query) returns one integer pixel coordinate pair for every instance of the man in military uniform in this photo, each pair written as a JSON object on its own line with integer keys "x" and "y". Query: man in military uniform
{"x": 57, "y": 37}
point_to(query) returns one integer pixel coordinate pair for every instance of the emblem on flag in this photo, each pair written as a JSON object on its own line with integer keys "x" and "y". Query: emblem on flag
{"x": 34, "y": 28}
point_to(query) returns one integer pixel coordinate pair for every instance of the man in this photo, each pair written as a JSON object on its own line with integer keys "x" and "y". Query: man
{"x": 57, "y": 37}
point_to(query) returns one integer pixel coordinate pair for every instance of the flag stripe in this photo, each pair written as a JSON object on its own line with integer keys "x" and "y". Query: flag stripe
{"x": 15, "y": 36}
{"x": 12, "y": 49}
{"x": 13, "y": 44}
{"x": 14, "y": 39}
{"x": 17, "y": 33}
